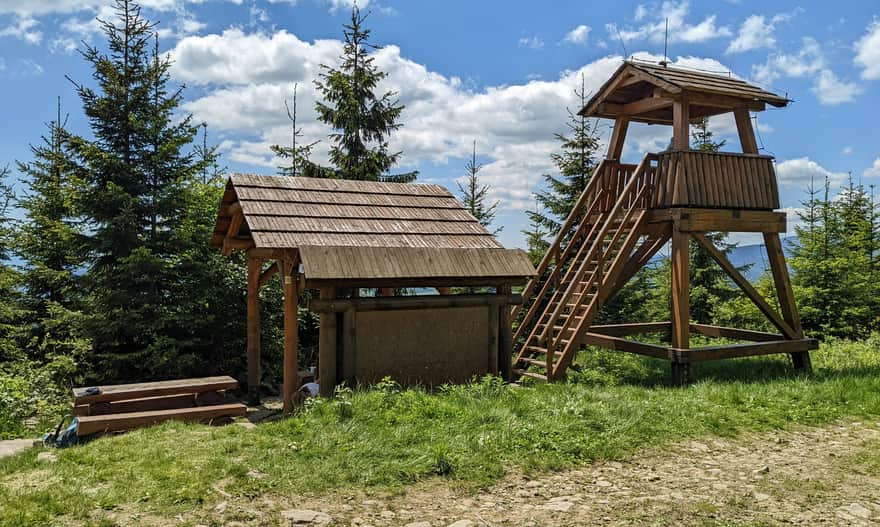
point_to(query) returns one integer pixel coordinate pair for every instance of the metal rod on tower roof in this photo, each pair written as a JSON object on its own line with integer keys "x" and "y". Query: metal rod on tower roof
{"x": 665, "y": 44}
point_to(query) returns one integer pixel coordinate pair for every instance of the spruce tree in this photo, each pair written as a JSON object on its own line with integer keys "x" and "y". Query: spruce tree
{"x": 49, "y": 243}
{"x": 362, "y": 120}
{"x": 536, "y": 237}
{"x": 575, "y": 164}
{"x": 135, "y": 172}
{"x": 473, "y": 194}
{"x": 11, "y": 311}
{"x": 297, "y": 155}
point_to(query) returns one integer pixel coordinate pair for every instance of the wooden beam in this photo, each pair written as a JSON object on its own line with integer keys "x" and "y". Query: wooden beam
{"x": 505, "y": 344}
{"x": 730, "y": 351}
{"x": 267, "y": 275}
{"x": 618, "y": 137}
{"x": 254, "y": 266}
{"x": 232, "y": 231}
{"x": 444, "y": 290}
{"x": 291, "y": 334}
{"x": 735, "y": 333}
{"x": 785, "y": 294}
{"x": 648, "y": 104}
{"x": 339, "y": 305}
{"x": 327, "y": 346}
{"x": 723, "y": 220}
{"x": 620, "y": 330}
{"x": 619, "y": 344}
{"x": 142, "y": 390}
{"x": 746, "y": 133}
{"x": 117, "y": 422}
{"x": 681, "y": 307}
{"x": 746, "y": 287}
{"x": 681, "y": 135}
{"x": 386, "y": 291}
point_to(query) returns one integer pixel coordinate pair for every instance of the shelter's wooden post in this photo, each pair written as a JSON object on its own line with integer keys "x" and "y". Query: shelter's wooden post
{"x": 291, "y": 334}
{"x": 746, "y": 133}
{"x": 680, "y": 304}
{"x": 681, "y": 124}
{"x": 349, "y": 345}
{"x": 618, "y": 137}
{"x": 444, "y": 290}
{"x": 254, "y": 267}
{"x": 494, "y": 337}
{"x": 327, "y": 346}
{"x": 505, "y": 343}
{"x": 784, "y": 292}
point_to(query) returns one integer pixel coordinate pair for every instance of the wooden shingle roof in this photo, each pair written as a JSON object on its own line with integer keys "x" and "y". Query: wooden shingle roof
{"x": 635, "y": 84}
{"x": 350, "y": 230}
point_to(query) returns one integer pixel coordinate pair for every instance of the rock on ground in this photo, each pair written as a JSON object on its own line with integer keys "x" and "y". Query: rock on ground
{"x": 10, "y": 447}
{"x": 298, "y": 517}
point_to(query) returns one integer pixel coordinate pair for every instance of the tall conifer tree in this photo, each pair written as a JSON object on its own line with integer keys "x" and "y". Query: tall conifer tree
{"x": 473, "y": 194}
{"x": 50, "y": 245}
{"x": 134, "y": 171}
{"x": 575, "y": 163}
{"x": 362, "y": 120}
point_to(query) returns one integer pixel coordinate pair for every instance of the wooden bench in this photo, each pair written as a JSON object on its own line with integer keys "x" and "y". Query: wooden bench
{"x": 126, "y": 406}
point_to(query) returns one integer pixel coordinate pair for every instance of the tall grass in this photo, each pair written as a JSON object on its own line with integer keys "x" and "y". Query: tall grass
{"x": 470, "y": 434}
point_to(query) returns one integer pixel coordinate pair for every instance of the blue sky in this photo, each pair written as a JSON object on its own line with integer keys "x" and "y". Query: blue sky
{"x": 500, "y": 73}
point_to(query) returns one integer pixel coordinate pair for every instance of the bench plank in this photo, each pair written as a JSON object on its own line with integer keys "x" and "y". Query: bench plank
{"x": 116, "y": 422}
{"x": 121, "y": 392}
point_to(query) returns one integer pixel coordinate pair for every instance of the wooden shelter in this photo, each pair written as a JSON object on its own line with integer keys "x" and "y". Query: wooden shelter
{"x": 629, "y": 212}
{"x": 341, "y": 237}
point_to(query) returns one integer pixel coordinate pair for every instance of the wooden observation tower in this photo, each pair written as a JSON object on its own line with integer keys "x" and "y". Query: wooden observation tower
{"x": 628, "y": 213}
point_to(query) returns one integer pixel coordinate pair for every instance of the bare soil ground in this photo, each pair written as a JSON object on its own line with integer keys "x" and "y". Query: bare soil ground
{"x": 805, "y": 476}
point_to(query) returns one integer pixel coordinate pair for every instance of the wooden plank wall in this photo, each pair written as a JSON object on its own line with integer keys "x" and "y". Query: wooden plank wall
{"x": 715, "y": 180}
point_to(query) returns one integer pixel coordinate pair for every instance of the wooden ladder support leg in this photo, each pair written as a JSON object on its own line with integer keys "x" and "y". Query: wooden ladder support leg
{"x": 254, "y": 269}
{"x": 800, "y": 360}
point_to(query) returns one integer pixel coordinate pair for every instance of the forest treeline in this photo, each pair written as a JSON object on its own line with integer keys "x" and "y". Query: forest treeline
{"x": 106, "y": 274}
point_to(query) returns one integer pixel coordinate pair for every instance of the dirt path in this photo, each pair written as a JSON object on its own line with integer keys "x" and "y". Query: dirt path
{"x": 808, "y": 476}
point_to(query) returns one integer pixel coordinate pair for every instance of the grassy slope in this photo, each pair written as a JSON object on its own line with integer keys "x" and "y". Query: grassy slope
{"x": 472, "y": 434}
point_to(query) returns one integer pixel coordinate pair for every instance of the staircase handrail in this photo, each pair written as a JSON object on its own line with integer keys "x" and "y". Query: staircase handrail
{"x": 556, "y": 269}
{"x": 617, "y": 234}
{"x": 553, "y": 250}
{"x": 637, "y": 173}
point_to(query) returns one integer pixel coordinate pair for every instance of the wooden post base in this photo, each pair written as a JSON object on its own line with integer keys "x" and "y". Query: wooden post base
{"x": 253, "y": 398}
{"x": 801, "y": 361}
{"x": 681, "y": 373}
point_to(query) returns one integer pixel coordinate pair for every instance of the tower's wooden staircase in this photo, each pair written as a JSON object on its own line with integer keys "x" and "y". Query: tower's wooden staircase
{"x": 582, "y": 268}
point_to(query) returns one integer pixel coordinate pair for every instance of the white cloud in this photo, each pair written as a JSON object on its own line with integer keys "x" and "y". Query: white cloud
{"x": 533, "y": 42}
{"x": 756, "y": 32}
{"x": 248, "y": 75}
{"x": 578, "y": 35}
{"x": 680, "y": 30}
{"x": 64, "y": 45}
{"x": 23, "y": 29}
{"x": 808, "y": 60}
{"x": 868, "y": 52}
{"x": 832, "y": 91}
{"x": 801, "y": 172}
{"x": 873, "y": 170}
{"x": 847, "y": 150}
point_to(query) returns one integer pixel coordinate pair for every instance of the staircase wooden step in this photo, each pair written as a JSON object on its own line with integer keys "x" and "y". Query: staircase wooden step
{"x": 531, "y": 374}
{"x": 536, "y": 362}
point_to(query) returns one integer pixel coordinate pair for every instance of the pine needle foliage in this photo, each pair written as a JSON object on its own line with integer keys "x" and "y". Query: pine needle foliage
{"x": 362, "y": 120}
